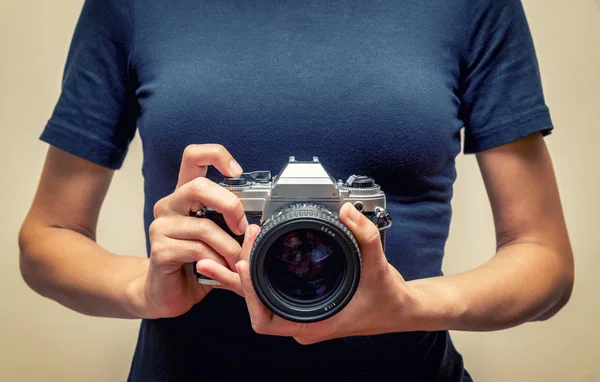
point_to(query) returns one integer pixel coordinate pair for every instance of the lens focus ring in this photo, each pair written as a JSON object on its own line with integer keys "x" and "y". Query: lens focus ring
{"x": 288, "y": 280}
{"x": 300, "y": 210}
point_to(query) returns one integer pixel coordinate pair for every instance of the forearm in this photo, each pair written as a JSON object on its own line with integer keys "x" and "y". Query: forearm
{"x": 523, "y": 282}
{"x": 70, "y": 268}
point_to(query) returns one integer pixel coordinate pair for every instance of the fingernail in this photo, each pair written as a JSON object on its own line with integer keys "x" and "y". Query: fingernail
{"x": 254, "y": 231}
{"x": 353, "y": 214}
{"x": 237, "y": 267}
{"x": 243, "y": 224}
{"x": 235, "y": 168}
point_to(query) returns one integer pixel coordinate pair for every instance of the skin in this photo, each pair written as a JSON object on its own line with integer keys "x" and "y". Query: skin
{"x": 61, "y": 260}
{"x": 529, "y": 278}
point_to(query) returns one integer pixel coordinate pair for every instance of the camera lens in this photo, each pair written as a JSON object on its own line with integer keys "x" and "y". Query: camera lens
{"x": 305, "y": 264}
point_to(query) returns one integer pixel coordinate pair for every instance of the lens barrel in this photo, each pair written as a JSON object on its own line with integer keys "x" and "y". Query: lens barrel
{"x": 305, "y": 264}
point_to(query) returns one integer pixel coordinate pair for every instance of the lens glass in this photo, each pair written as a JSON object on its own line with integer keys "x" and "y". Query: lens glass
{"x": 304, "y": 264}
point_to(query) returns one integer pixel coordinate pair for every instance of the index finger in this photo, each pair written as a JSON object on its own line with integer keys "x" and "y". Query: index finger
{"x": 197, "y": 158}
{"x": 201, "y": 192}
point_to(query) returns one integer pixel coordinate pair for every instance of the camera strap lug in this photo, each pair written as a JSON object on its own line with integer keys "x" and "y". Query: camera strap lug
{"x": 383, "y": 220}
{"x": 201, "y": 213}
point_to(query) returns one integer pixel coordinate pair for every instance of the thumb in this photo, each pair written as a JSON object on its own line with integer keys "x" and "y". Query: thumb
{"x": 366, "y": 233}
{"x": 252, "y": 232}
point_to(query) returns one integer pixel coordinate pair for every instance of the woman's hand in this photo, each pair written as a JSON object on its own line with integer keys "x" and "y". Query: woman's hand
{"x": 382, "y": 303}
{"x": 169, "y": 288}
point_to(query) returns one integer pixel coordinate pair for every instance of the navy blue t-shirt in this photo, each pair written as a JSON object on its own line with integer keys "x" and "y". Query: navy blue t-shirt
{"x": 381, "y": 88}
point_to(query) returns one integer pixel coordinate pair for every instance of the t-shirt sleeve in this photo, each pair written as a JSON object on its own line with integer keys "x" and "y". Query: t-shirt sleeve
{"x": 96, "y": 113}
{"x": 502, "y": 98}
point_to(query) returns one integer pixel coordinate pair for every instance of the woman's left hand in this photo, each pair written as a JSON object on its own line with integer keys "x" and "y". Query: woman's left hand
{"x": 382, "y": 303}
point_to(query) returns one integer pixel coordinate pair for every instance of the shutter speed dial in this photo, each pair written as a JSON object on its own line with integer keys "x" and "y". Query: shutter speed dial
{"x": 360, "y": 181}
{"x": 360, "y": 184}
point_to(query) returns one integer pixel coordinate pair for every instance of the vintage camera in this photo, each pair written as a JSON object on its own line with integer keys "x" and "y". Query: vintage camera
{"x": 305, "y": 264}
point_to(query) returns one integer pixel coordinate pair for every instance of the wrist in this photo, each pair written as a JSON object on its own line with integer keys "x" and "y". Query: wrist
{"x": 433, "y": 305}
{"x": 404, "y": 307}
{"x": 135, "y": 296}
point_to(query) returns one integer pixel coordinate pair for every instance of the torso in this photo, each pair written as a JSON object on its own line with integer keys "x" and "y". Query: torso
{"x": 368, "y": 87}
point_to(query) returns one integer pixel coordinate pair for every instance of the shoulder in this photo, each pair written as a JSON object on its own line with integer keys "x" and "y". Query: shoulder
{"x": 110, "y": 10}
{"x": 491, "y": 21}
{"x": 494, "y": 4}
{"x": 106, "y": 21}
{"x": 479, "y": 10}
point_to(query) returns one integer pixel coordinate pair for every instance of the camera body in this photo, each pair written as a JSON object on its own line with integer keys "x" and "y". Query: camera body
{"x": 305, "y": 263}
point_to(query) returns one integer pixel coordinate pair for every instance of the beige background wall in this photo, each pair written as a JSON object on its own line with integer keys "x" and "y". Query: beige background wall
{"x": 40, "y": 340}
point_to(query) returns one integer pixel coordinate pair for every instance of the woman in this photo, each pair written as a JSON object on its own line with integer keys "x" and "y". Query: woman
{"x": 381, "y": 88}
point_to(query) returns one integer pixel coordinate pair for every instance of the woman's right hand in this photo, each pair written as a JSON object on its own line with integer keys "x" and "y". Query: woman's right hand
{"x": 169, "y": 288}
